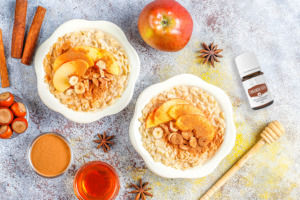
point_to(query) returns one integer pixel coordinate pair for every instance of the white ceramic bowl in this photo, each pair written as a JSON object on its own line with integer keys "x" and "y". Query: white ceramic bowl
{"x": 76, "y": 25}
{"x": 224, "y": 149}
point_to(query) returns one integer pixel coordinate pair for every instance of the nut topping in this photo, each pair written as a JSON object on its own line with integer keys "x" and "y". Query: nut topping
{"x": 172, "y": 127}
{"x": 193, "y": 142}
{"x": 165, "y": 128}
{"x": 176, "y": 138}
{"x": 187, "y": 135}
{"x": 203, "y": 141}
{"x": 184, "y": 147}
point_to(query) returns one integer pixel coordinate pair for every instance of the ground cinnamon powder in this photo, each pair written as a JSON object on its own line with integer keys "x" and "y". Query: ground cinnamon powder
{"x": 50, "y": 155}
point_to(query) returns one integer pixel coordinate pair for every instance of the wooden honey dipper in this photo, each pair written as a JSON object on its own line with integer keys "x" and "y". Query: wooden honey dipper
{"x": 271, "y": 133}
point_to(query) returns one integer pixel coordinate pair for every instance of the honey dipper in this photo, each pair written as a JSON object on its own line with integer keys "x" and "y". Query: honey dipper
{"x": 271, "y": 133}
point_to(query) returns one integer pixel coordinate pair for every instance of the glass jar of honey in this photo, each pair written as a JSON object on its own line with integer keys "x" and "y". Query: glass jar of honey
{"x": 96, "y": 180}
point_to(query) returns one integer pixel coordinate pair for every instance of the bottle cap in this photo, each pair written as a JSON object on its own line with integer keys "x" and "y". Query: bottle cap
{"x": 247, "y": 63}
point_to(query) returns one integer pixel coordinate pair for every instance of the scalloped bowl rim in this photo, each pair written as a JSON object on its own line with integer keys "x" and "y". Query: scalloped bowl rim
{"x": 209, "y": 166}
{"x": 76, "y": 25}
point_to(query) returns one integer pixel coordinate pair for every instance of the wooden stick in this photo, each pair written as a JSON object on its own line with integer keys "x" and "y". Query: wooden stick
{"x": 3, "y": 67}
{"x": 19, "y": 29}
{"x": 33, "y": 35}
{"x": 271, "y": 133}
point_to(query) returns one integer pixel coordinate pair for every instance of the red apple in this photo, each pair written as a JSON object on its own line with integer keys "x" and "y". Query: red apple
{"x": 165, "y": 25}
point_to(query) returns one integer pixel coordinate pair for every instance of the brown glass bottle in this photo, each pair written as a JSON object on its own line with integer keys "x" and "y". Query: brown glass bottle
{"x": 253, "y": 81}
{"x": 245, "y": 78}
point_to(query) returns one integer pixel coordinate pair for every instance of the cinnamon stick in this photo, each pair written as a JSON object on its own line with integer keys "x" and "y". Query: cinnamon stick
{"x": 3, "y": 67}
{"x": 19, "y": 29}
{"x": 33, "y": 35}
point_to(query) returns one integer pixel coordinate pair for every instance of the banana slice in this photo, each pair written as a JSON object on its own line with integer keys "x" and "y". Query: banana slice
{"x": 79, "y": 88}
{"x": 73, "y": 80}
{"x": 158, "y": 133}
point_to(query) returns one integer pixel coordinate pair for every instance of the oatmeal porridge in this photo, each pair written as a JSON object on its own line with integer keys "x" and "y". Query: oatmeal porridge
{"x": 86, "y": 70}
{"x": 182, "y": 127}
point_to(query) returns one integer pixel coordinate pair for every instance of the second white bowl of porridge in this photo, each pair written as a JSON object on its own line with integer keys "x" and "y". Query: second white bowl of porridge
{"x": 86, "y": 70}
{"x": 183, "y": 127}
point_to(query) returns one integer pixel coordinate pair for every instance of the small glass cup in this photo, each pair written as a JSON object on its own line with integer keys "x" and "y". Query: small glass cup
{"x": 29, "y": 155}
{"x": 86, "y": 187}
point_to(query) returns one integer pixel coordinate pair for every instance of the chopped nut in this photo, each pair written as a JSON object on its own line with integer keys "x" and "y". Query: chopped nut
{"x": 96, "y": 82}
{"x": 96, "y": 75}
{"x": 170, "y": 135}
{"x": 184, "y": 147}
{"x": 203, "y": 141}
{"x": 101, "y": 64}
{"x": 187, "y": 135}
{"x": 73, "y": 80}
{"x": 103, "y": 85}
{"x": 158, "y": 133}
{"x": 176, "y": 139}
{"x": 97, "y": 92}
{"x": 102, "y": 74}
{"x": 193, "y": 142}
{"x": 165, "y": 128}
{"x": 172, "y": 127}
{"x": 79, "y": 88}
{"x": 86, "y": 84}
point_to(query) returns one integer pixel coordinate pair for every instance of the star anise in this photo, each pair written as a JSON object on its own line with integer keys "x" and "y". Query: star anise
{"x": 104, "y": 142}
{"x": 210, "y": 53}
{"x": 141, "y": 191}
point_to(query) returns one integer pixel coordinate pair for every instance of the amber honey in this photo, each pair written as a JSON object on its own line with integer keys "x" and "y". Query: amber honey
{"x": 96, "y": 180}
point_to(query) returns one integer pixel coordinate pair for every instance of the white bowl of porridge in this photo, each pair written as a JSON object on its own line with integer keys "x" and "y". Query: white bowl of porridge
{"x": 183, "y": 127}
{"x": 86, "y": 70}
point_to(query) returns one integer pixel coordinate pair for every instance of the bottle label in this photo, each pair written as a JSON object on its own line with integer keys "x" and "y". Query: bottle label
{"x": 257, "y": 91}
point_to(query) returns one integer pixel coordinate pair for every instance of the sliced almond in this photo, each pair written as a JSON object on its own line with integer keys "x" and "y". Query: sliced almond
{"x": 96, "y": 75}
{"x": 193, "y": 142}
{"x": 102, "y": 74}
{"x": 184, "y": 147}
{"x": 187, "y": 135}
{"x": 203, "y": 141}
{"x": 176, "y": 139}
{"x": 96, "y": 82}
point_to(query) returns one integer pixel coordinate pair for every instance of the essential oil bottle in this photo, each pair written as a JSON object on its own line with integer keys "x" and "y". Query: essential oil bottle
{"x": 253, "y": 81}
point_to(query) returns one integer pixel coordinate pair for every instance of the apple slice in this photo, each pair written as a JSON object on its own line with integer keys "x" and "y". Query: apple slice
{"x": 112, "y": 66}
{"x": 202, "y": 127}
{"x": 184, "y": 109}
{"x": 161, "y": 114}
{"x": 70, "y": 56}
{"x": 150, "y": 120}
{"x": 61, "y": 76}
{"x": 92, "y": 52}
